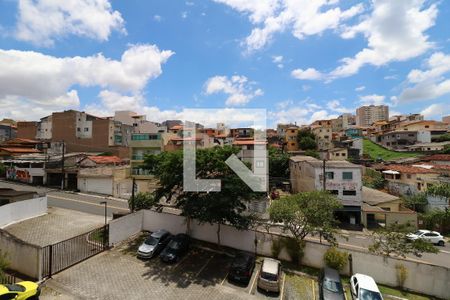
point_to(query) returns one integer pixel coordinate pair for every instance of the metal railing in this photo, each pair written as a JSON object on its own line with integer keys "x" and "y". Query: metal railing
{"x": 7, "y": 279}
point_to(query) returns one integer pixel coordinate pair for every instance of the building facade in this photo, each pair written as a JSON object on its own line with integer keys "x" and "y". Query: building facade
{"x": 367, "y": 115}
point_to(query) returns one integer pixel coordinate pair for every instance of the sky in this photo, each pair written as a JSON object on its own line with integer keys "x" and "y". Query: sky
{"x": 300, "y": 60}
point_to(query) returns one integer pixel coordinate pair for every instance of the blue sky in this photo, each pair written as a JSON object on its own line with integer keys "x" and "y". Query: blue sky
{"x": 301, "y": 60}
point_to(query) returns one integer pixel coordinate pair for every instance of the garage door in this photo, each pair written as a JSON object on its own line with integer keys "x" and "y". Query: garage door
{"x": 99, "y": 185}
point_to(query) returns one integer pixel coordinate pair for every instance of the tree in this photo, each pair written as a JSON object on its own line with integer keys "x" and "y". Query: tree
{"x": 373, "y": 179}
{"x": 439, "y": 190}
{"x": 224, "y": 207}
{"x": 436, "y": 218}
{"x": 416, "y": 202}
{"x": 143, "y": 201}
{"x": 306, "y": 139}
{"x": 335, "y": 259}
{"x": 307, "y": 213}
{"x": 278, "y": 163}
{"x": 4, "y": 264}
{"x": 393, "y": 241}
{"x": 312, "y": 153}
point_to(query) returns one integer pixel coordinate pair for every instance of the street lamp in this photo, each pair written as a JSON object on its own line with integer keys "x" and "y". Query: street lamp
{"x": 106, "y": 209}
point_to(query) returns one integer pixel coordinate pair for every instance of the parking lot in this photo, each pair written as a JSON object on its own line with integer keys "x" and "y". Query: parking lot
{"x": 119, "y": 274}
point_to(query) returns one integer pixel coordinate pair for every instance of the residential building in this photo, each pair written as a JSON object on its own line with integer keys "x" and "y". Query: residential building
{"x": 367, "y": 115}
{"x": 291, "y": 138}
{"x": 398, "y": 140}
{"x": 138, "y": 122}
{"x": 244, "y": 132}
{"x": 18, "y": 146}
{"x": 323, "y": 135}
{"x": 143, "y": 144}
{"x": 80, "y": 132}
{"x": 10, "y": 195}
{"x": 381, "y": 209}
{"x": 338, "y": 154}
{"x": 446, "y": 119}
{"x": 342, "y": 179}
{"x": 424, "y": 125}
{"x": 247, "y": 146}
{"x": 437, "y": 159}
{"x": 353, "y": 132}
{"x": 7, "y": 132}
{"x": 425, "y": 147}
{"x": 282, "y": 128}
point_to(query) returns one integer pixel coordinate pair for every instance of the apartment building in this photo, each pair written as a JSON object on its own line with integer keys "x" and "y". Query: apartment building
{"x": 342, "y": 179}
{"x": 80, "y": 132}
{"x": 138, "y": 122}
{"x": 324, "y": 135}
{"x": 7, "y": 132}
{"x": 367, "y": 115}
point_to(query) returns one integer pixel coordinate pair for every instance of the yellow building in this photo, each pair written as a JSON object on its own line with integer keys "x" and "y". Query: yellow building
{"x": 291, "y": 138}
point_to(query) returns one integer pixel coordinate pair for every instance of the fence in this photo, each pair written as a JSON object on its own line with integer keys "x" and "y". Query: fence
{"x": 424, "y": 278}
{"x": 7, "y": 279}
{"x": 62, "y": 255}
{"x": 21, "y": 210}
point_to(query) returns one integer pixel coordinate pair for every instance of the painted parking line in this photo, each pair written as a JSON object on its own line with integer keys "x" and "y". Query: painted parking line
{"x": 253, "y": 283}
{"x": 226, "y": 276}
{"x": 204, "y": 266}
{"x": 313, "y": 289}
{"x": 282, "y": 286}
{"x": 179, "y": 262}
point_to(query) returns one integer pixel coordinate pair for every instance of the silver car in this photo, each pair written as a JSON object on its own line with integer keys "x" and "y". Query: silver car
{"x": 154, "y": 244}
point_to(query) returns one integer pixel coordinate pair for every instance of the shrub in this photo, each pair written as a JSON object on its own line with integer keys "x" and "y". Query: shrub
{"x": 4, "y": 263}
{"x": 402, "y": 274}
{"x": 277, "y": 245}
{"x": 143, "y": 201}
{"x": 335, "y": 259}
{"x": 295, "y": 249}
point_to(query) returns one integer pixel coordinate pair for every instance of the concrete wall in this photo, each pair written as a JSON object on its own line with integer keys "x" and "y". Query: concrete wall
{"x": 21, "y": 210}
{"x": 23, "y": 257}
{"x": 423, "y": 278}
{"x": 124, "y": 227}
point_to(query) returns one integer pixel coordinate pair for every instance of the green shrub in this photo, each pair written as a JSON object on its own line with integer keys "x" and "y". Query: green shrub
{"x": 143, "y": 201}
{"x": 295, "y": 249}
{"x": 335, "y": 259}
{"x": 277, "y": 245}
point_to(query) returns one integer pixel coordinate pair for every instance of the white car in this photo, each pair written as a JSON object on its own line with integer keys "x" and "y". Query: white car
{"x": 429, "y": 236}
{"x": 363, "y": 287}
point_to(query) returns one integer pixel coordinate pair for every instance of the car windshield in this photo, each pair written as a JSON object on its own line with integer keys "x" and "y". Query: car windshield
{"x": 332, "y": 286}
{"x": 418, "y": 232}
{"x": 268, "y": 276}
{"x": 151, "y": 241}
{"x": 15, "y": 288}
{"x": 240, "y": 261}
{"x": 369, "y": 295}
{"x": 175, "y": 244}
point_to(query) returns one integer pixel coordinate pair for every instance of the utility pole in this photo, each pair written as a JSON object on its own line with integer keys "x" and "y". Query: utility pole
{"x": 324, "y": 176}
{"x": 63, "y": 177}
{"x": 132, "y": 195}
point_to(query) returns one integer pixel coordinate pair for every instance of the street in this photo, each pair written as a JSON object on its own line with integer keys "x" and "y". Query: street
{"x": 91, "y": 204}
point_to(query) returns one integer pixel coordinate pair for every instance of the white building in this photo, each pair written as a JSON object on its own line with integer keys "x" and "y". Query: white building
{"x": 342, "y": 179}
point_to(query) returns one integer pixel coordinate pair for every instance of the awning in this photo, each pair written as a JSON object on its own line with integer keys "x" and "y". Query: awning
{"x": 391, "y": 172}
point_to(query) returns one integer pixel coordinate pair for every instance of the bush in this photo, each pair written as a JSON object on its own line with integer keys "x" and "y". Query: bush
{"x": 4, "y": 264}
{"x": 373, "y": 179}
{"x": 335, "y": 259}
{"x": 143, "y": 201}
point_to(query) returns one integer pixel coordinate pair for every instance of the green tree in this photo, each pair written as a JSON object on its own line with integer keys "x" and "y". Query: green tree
{"x": 393, "y": 241}
{"x": 439, "y": 190}
{"x": 4, "y": 264}
{"x": 335, "y": 259}
{"x": 143, "y": 201}
{"x": 373, "y": 179}
{"x": 436, "y": 218}
{"x": 307, "y": 213}
{"x": 224, "y": 207}
{"x": 416, "y": 202}
{"x": 306, "y": 139}
{"x": 278, "y": 163}
{"x": 312, "y": 153}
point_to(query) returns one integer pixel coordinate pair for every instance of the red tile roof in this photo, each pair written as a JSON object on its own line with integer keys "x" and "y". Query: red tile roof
{"x": 178, "y": 139}
{"x": 105, "y": 159}
{"x": 22, "y": 141}
{"x": 437, "y": 157}
{"x": 176, "y": 127}
{"x": 409, "y": 169}
{"x": 20, "y": 150}
{"x": 249, "y": 142}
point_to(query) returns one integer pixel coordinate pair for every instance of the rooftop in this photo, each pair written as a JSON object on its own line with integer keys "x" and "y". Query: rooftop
{"x": 375, "y": 197}
{"x": 20, "y": 150}
{"x": 319, "y": 163}
{"x": 437, "y": 157}
{"x": 407, "y": 169}
{"x": 105, "y": 159}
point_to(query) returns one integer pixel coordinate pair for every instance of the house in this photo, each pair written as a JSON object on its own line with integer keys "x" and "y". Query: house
{"x": 27, "y": 168}
{"x": 437, "y": 159}
{"x": 7, "y": 132}
{"x": 248, "y": 146}
{"x": 143, "y": 144}
{"x": 8, "y": 152}
{"x": 382, "y": 209}
{"x": 398, "y": 140}
{"x": 410, "y": 179}
{"x": 106, "y": 180}
{"x": 338, "y": 154}
{"x": 424, "y": 147}
{"x": 323, "y": 135}
{"x": 290, "y": 138}
{"x": 100, "y": 160}
{"x": 342, "y": 179}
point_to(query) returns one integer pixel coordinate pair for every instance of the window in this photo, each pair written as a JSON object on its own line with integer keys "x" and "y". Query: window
{"x": 427, "y": 126}
{"x": 343, "y": 154}
{"x": 329, "y": 175}
{"x": 86, "y": 129}
{"x": 78, "y": 129}
{"x": 337, "y": 154}
{"x": 349, "y": 193}
{"x": 334, "y": 192}
{"x": 347, "y": 175}
{"x": 386, "y": 208}
{"x": 292, "y": 144}
{"x": 408, "y": 176}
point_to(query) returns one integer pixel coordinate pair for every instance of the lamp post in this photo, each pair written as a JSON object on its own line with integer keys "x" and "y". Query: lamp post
{"x": 106, "y": 210}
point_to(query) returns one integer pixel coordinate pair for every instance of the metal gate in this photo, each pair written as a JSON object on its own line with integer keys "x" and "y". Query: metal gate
{"x": 62, "y": 255}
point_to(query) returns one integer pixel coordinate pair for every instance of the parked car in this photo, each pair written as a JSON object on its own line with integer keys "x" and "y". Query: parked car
{"x": 154, "y": 244}
{"x": 20, "y": 291}
{"x": 433, "y": 237}
{"x": 270, "y": 275}
{"x": 363, "y": 287}
{"x": 241, "y": 268}
{"x": 176, "y": 248}
{"x": 330, "y": 286}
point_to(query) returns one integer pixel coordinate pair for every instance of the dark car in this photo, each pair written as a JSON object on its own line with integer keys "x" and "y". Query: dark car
{"x": 241, "y": 268}
{"x": 176, "y": 248}
{"x": 154, "y": 244}
{"x": 330, "y": 285}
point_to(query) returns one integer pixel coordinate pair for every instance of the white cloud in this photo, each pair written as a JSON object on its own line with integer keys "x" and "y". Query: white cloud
{"x": 372, "y": 99}
{"x": 429, "y": 83}
{"x": 308, "y": 74}
{"x": 360, "y": 88}
{"x": 49, "y": 82}
{"x": 395, "y": 31}
{"x": 278, "y": 60}
{"x": 390, "y": 77}
{"x": 335, "y": 105}
{"x": 184, "y": 14}
{"x": 42, "y": 21}
{"x": 157, "y": 18}
{"x": 435, "y": 110}
{"x": 301, "y": 17}
{"x": 303, "y": 113}
{"x": 239, "y": 90}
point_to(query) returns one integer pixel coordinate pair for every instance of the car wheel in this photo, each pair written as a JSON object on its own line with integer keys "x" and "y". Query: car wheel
{"x": 441, "y": 243}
